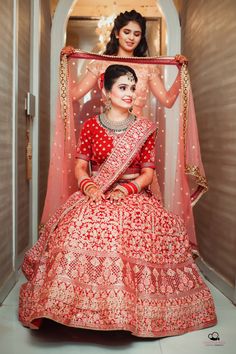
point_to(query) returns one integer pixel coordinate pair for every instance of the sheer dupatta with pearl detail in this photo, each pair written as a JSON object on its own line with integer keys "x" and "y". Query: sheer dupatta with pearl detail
{"x": 179, "y": 168}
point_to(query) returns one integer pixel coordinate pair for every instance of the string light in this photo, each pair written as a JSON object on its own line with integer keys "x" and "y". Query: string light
{"x": 105, "y": 25}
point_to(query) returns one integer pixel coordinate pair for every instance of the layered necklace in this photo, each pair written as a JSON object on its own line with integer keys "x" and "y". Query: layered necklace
{"x": 116, "y": 127}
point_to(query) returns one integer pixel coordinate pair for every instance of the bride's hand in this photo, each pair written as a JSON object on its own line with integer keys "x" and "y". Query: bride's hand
{"x": 95, "y": 195}
{"x": 67, "y": 50}
{"x": 116, "y": 196}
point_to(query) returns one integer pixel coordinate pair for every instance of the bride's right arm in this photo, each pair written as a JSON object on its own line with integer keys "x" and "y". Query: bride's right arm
{"x": 81, "y": 169}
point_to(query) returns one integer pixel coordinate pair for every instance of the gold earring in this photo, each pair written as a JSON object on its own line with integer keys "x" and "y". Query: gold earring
{"x": 108, "y": 104}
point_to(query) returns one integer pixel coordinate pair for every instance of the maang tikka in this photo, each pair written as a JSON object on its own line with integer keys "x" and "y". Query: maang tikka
{"x": 130, "y": 76}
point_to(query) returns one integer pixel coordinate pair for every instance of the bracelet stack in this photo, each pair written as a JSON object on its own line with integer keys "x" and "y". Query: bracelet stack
{"x": 129, "y": 188}
{"x": 85, "y": 184}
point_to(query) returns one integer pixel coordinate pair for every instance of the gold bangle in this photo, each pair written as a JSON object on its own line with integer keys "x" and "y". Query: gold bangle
{"x": 121, "y": 189}
{"x": 137, "y": 185}
{"x": 90, "y": 187}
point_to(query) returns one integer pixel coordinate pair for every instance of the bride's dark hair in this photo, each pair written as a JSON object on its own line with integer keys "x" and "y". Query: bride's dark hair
{"x": 122, "y": 20}
{"x": 114, "y": 71}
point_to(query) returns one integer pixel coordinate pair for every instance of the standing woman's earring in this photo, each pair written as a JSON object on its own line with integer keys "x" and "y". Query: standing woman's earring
{"x": 108, "y": 104}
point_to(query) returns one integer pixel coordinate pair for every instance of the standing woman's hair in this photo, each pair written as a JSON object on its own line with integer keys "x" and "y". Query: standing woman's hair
{"x": 122, "y": 20}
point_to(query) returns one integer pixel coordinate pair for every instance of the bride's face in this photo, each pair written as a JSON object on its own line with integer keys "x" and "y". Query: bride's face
{"x": 122, "y": 93}
{"x": 129, "y": 36}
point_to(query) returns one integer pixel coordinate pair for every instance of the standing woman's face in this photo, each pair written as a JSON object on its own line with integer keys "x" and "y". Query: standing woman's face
{"x": 129, "y": 37}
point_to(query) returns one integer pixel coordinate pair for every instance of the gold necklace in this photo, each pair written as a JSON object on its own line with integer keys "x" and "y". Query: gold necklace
{"x": 116, "y": 126}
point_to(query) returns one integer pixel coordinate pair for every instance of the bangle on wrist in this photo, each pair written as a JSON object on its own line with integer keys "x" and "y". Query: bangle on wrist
{"x": 90, "y": 187}
{"x": 121, "y": 189}
{"x": 137, "y": 186}
{"x": 81, "y": 179}
{"x": 129, "y": 188}
{"x": 86, "y": 183}
{"x": 83, "y": 182}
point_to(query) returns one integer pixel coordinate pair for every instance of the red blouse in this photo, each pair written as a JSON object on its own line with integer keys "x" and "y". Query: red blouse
{"x": 96, "y": 143}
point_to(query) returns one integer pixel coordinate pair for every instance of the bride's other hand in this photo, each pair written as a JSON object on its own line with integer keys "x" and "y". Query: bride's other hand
{"x": 116, "y": 196}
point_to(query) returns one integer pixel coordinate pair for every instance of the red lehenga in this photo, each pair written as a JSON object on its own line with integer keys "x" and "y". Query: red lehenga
{"x": 115, "y": 267}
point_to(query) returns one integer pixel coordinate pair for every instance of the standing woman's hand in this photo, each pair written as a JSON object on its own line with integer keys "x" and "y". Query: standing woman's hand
{"x": 181, "y": 59}
{"x": 67, "y": 50}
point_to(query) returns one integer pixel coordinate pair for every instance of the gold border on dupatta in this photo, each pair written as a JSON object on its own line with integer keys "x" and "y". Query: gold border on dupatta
{"x": 195, "y": 171}
{"x": 191, "y": 170}
{"x": 63, "y": 78}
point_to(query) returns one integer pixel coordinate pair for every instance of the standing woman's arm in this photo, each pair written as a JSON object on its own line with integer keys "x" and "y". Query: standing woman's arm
{"x": 84, "y": 86}
{"x": 88, "y": 81}
{"x": 166, "y": 98}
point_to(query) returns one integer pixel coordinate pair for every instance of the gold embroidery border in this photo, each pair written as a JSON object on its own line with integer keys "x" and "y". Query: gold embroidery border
{"x": 63, "y": 78}
{"x": 195, "y": 171}
{"x": 191, "y": 170}
{"x": 185, "y": 98}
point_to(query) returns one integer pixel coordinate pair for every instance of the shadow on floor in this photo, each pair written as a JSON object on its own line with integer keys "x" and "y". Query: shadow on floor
{"x": 52, "y": 332}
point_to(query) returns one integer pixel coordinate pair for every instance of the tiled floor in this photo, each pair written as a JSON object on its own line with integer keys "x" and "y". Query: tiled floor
{"x": 53, "y": 338}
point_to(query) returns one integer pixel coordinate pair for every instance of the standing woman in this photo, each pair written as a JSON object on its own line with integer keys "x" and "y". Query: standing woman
{"x": 112, "y": 258}
{"x": 128, "y": 39}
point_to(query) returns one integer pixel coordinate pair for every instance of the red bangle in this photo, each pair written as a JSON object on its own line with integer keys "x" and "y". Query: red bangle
{"x": 130, "y": 187}
{"x": 90, "y": 186}
{"x": 135, "y": 188}
{"x": 84, "y": 182}
{"x": 85, "y": 185}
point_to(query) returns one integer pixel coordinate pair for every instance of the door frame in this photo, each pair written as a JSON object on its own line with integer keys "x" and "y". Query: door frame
{"x": 34, "y": 89}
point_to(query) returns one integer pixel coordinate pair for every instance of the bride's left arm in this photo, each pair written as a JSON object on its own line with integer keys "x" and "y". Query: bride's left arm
{"x": 135, "y": 186}
{"x": 147, "y": 166}
{"x": 145, "y": 178}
